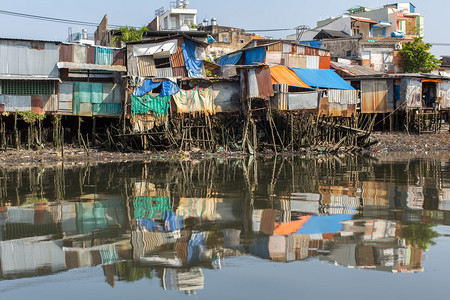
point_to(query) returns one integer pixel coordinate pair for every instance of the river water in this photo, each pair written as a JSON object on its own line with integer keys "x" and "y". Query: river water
{"x": 323, "y": 227}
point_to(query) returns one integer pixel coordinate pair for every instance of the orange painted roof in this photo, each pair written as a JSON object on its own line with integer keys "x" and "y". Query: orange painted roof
{"x": 284, "y": 75}
{"x": 291, "y": 227}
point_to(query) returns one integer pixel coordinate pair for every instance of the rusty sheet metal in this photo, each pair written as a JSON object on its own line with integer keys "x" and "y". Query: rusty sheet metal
{"x": 336, "y": 109}
{"x": 264, "y": 79}
{"x": 146, "y": 66}
{"x": 367, "y": 97}
{"x": 324, "y": 62}
{"x": 377, "y": 96}
{"x": 15, "y": 103}
{"x": 275, "y": 47}
{"x": 375, "y": 193}
{"x": 118, "y": 57}
{"x": 296, "y": 61}
{"x": 444, "y": 94}
{"x": 177, "y": 58}
{"x": 37, "y": 104}
{"x": 65, "y": 97}
{"x": 311, "y": 51}
{"x": 132, "y": 62}
{"x": 343, "y": 97}
{"x": 324, "y": 107}
{"x": 90, "y": 58}
{"x": 180, "y": 72}
{"x": 79, "y": 53}
{"x": 65, "y": 53}
{"x": 273, "y": 58}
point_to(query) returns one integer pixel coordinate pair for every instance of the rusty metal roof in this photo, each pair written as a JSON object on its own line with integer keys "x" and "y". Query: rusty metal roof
{"x": 355, "y": 70}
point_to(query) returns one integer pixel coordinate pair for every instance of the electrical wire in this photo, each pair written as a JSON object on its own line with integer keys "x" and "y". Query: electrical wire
{"x": 55, "y": 20}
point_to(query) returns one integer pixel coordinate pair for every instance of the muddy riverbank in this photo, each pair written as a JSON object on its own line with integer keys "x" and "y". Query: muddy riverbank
{"x": 388, "y": 143}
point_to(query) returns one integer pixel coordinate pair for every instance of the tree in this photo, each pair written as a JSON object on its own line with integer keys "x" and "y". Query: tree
{"x": 128, "y": 34}
{"x": 416, "y": 57}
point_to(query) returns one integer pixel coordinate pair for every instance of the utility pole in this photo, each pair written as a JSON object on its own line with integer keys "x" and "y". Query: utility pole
{"x": 299, "y": 30}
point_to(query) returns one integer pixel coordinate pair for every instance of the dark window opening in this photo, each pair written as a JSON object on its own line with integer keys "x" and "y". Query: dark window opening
{"x": 161, "y": 63}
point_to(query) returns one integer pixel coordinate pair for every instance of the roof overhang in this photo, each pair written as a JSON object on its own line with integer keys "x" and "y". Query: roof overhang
{"x": 94, "y": 67}
{"x": 364, "y": 20}
{"x": 23, "y": 77}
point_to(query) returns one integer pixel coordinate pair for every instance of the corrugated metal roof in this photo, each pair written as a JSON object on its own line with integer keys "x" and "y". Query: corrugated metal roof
{"x": 31, "y": 77}
{"x": 355, "y": 70}
{"x": 70, "y": 65}
{"x": 28, "y": 40}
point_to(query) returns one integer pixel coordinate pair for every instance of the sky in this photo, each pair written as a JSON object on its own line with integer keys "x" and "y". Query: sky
{"x": 250, "y": 15}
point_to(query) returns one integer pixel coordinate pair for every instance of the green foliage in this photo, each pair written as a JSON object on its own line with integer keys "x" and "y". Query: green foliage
{"x": 129, "y": 34}
{"x": 416, "y": 57}
{"x": 420, "y": 235}
{"x": 130, "y": 272}
{"x": 31, "y": 117}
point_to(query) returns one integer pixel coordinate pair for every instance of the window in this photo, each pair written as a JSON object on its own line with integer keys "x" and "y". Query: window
{"x": 27, "y": 87}
{"x": 162, "y": 62}
{"x": 188, "y": 20}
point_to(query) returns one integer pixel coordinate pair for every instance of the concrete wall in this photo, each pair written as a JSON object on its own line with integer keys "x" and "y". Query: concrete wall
{"x": 227, "y": 96}
{"x": 342, "y": 47}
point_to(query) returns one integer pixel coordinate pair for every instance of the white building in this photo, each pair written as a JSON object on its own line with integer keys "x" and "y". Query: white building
{"x": 177, "y": 17}
{"x": 399, "y": 19}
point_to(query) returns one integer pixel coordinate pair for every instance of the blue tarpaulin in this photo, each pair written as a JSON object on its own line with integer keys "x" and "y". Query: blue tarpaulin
{"x": 231, "y": 59}
{"x": 255, "y": 56}
{"x": 322, "y": 78}
{"x": 168, "y": 88}
{"x": 324, "y": 224}
{"x": 146, "y": 87}
{"x": 193, "y": 65}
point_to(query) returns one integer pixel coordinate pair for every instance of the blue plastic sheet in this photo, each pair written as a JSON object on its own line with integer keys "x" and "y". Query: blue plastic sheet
{"x": 324, "y": 224}
{"x": 195, "y": 246}
{"x": 172, "y": 221}
{"x": 322, "y": 78}
{"x": 231, "y": 59}
{"x": 146, "y": 87}
{"x": 150, "y": 225}
{"x": 168, "y": 88}
{"x": 193, "y": 65}
{"x": 255, "y": 56}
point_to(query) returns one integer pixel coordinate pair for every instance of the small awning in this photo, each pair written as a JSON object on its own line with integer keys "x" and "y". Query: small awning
{"x": 432, "y": 80}
{"x": 82, "y": 66}
{"x": 364, "y": 20}
{"x": 284, "y": 75}
{"x": 25, "y": 77}
{"x": 322, "y": 78}
{"x": 169, "y": 47}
